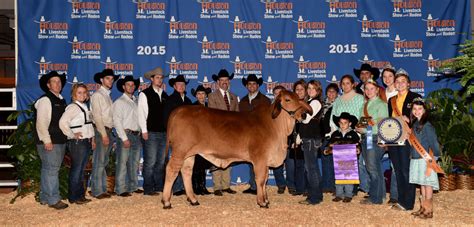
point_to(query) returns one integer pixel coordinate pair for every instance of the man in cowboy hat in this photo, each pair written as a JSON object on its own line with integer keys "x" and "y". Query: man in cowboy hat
{"x": 200, "y": 164}
{"x": 175, "y": 100}
{"x": 248, "y": 103}
{"x": 50, "y": 141}
{"x": 125, "y": 119}
{"x": 365, "y": 72}
{"x": 151, "y": 118}
{"x": 101, "y": 106}
{"x": 223, "y": 99}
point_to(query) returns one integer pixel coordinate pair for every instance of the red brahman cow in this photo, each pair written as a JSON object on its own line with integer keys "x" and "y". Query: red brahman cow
{"x": 223, "y": 137}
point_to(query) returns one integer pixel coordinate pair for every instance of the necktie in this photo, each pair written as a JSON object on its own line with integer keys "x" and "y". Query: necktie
{"x": 226, "y": 100}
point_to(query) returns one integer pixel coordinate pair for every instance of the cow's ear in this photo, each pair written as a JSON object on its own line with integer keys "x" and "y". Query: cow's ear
{"x": 276, "y": 108}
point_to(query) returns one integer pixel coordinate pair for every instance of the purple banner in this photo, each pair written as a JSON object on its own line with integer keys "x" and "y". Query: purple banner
{"x": 346, "y": 170}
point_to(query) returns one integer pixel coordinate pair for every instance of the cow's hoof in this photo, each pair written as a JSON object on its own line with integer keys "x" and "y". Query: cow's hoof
{"x": 166, "y": 206}
{"x": 193, "y": 203}
{"x": 264, "y": 206}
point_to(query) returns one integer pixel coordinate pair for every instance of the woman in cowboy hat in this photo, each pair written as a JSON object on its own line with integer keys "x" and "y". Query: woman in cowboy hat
{"x": 200, "y": 164}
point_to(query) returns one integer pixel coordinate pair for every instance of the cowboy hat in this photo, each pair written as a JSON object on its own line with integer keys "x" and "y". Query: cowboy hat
{"x": 366, "y": 67}
{"x": 104, "y": 73}
{"x": 179, "y": 78}
{"x": 153, "y": 72}
{"x": 45, "y": 79}
{"x": 200, "y": 88}
{"x": 126, "y": 79}
{"x": 222, "y": 73}
{"x": 347, "y": 116}
{"x": 252, "y": 77}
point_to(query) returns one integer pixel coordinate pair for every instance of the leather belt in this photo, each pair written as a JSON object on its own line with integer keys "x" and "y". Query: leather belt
{"x": 132, "y": 132}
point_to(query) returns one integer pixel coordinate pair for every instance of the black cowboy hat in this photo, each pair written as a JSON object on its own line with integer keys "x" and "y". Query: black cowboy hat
{"x": 348, "y": 116}
{"x": 200, "y": 88}
{"x": 366, "y": 67}
{"x": 179, "y": 78}
{"x": 222, "y": 73}
{"x": 252, "y": 77}
{"x": 45, "y": 78}
{"x": 124, "y": 80}
{"x": 104, "y": 73}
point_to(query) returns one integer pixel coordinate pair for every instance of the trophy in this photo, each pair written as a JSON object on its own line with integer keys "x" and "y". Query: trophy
{"x": 363, "y": 122}
{"x": 390, "y": 132}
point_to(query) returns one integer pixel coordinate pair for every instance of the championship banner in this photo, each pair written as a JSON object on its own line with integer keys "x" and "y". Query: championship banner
{"x": 346, "y": 170}
{"x": 281, "y": 41}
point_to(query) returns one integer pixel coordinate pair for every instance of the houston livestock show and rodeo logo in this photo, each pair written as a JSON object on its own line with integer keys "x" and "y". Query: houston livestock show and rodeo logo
{"x": 46, "y": 66}
{"x": 437, "y": 27}
{"x": 406, "y": 8}
{"x": 214, "y": 50}
{"x": 182, "y": 30}
{"x": 214, "y": 10}
{"x": 84, "y": 10}
{"x": 374, "y": 29}
{"x": 342, "y": 9}
{"x": 150, "y": 10}
{"x": 188, "y": 69}
{"x": 52, "y": 29}
{"x": 84, "y": 50}
{"x": 242, "y": 68}
{"x": 117, "y": 30}
{"x": 310, "y": 69}
{"x": 120, "y": 68}
{"x": 310, "y": 29}
{"x": 277, "y": 10}
{"x": 278, "y": 50}
{"x": 246, "y": 30}
{"x": 375, "y": 64}
{"x": 407, "y": 48}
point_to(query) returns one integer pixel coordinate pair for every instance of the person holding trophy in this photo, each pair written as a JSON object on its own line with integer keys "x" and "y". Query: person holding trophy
{"x": 374, "y": 110}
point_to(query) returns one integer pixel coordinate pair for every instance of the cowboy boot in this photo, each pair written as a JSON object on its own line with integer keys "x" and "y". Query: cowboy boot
{"x": 428, "y": 212}
{"x": 420, "y": 211}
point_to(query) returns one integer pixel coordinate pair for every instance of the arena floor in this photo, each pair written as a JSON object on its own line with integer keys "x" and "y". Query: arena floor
{"x": 451, "y": 208}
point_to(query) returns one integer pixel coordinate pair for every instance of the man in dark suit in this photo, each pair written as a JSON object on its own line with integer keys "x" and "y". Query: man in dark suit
{"x": 400, "y": 105}
{"x": 222, "y": 99}
{"x": 248, "y": 103}
{"x": 175, "y": 100}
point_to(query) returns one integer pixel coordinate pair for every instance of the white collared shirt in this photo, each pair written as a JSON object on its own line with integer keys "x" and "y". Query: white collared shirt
{"x": 101, "y": 107}
{"x": 223, "y": 94}
{"x": 73, "y": 116}
{"x": 125, "y": 115}
{"x": 143, "y": 108}
{"x": 43, "y": 118}
{"x": 251, "y": 97}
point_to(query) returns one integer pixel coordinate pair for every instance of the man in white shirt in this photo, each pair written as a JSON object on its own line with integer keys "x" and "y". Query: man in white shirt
{"x": 151, "y": 118}
{"x": 50, "y": 141}
{"x": 129, "y": 144}
{"x": 224, "y": 100}
{"x": 102, "y": 114}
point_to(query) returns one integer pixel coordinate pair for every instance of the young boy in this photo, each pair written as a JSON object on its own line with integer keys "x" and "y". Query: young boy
{"x": 344, "y": 135}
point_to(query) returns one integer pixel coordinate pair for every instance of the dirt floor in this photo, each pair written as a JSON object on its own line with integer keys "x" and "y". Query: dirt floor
{"x": 451, "y": 208}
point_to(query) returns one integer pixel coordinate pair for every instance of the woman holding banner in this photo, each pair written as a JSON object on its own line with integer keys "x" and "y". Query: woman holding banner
{"x": 374, "y": 110}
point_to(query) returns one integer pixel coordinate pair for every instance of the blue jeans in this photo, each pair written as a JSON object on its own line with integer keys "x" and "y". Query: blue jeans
{"x": 310, "y": 149}
{"x": 364, "y": 178}
{"x": 393, "y": 184}
{"x": 50, "y": 165}
{"x": 79, "y": 151}
{"x": 99, "y": 163}
{"x": 373, "y": 163}
{"x": 327, "y": 170}
{"x": 400, "y": 156}
{"x": 154, "y": 162}
{"x": 280, "y": 180}
{"x": 126, "y": 176}
{"x": 344, "y": 190}
{"x": 295, "y": 177}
